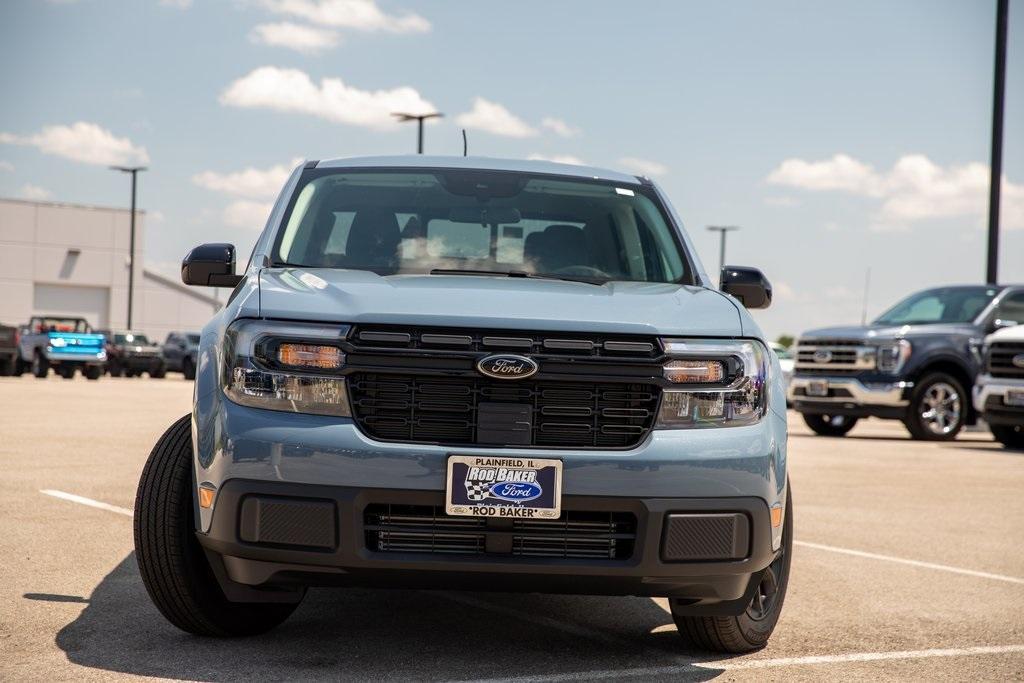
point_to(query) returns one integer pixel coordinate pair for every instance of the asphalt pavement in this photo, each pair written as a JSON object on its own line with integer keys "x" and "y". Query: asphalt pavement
{"x": 908, "y": 564}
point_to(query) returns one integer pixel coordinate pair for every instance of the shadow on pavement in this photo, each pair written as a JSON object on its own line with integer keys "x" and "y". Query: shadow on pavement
{"x": 374, "y": 634}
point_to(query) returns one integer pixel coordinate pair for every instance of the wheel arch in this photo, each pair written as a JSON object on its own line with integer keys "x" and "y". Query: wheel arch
{"x": 955, "y": 368}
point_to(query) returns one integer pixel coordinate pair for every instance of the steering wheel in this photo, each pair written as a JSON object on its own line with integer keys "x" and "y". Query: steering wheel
{"x": 581, "y": 271}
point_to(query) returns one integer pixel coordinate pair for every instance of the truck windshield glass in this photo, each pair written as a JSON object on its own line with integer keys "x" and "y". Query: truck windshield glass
{"x": 416, "y": 222}
{"x": 941, "y": 305}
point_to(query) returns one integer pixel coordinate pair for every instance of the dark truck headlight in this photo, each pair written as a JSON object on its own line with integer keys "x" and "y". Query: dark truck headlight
{"x": 715, "y": 384}
{"x": 291, "y": 367}
{"x": 892, "y": 355}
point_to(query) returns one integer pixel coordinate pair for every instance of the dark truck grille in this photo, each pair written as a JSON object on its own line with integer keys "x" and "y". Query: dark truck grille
{"x": 447, "y": 410}
{"x": 1000, "y": 360}
{"x": 426, "y": 529}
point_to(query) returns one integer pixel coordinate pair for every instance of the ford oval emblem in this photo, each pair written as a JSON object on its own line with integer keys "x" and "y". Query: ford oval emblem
{"x": 507, "y": 366}
{"x": 516, "y": 491}
{"x": 822, "y": 356}
{"x": 1018, "y": 360}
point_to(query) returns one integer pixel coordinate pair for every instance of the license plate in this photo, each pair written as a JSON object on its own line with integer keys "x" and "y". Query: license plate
{"x": 485, "y": 486}
{"x": 817, "y": 387}
{"x": 1014, "y": 398}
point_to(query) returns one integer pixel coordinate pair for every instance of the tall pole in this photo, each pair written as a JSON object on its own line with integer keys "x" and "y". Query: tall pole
{"x": 419, "y": 119}
{"x": 722, "y": 230}
{"x": 998, "y": 96}
{"x": 864, "y": 310}
{"x": 134, "y": 171}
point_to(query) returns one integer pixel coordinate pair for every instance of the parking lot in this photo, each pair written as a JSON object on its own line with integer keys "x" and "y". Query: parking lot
{"x": 909, "y": 564}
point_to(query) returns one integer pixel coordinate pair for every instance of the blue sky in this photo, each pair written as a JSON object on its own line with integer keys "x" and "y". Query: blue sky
{"x": 841, "y": 136}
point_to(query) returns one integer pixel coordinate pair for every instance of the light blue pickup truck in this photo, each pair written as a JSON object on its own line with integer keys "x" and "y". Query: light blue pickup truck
{"x": 64, "y": 344}
{"x": 477, "y": 374}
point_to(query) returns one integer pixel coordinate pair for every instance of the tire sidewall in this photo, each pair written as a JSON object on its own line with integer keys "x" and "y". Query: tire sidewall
{"x": 918, "y": 429}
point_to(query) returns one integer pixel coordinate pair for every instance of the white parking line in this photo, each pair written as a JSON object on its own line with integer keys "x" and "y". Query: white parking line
{"x": 81, "y": 500}
{"x": 729, "y": 665}
{"x": 913, "y": 563}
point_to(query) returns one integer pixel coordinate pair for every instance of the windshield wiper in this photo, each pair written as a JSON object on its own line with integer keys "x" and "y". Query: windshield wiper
{"x": 516, "y": 273}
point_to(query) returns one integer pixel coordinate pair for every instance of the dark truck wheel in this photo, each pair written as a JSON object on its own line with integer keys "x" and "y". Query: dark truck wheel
{"x": 7, "y": 366}
{"x": 40, "y": 366}
{"x": 66, "y": 371}
{"x": 1011, "y": 436}
{"x": 158, "y": 371}
{"x": 92, "y": 371}
{"x": 174, "y": 568}
{"x": 830, "y": 425}
{"x": 188, "y": 368}
{"x": 749, "y": 631}
{"x": 937, "y": 409}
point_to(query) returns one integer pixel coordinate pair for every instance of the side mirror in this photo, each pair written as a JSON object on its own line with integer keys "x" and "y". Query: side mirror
{"x": 210, "y": 265}
{"x": 999, "y": 324}
{"x": 749, "y": 285}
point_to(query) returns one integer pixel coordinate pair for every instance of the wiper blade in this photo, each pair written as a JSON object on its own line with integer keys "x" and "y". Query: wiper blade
{"x": 515, "y": 273}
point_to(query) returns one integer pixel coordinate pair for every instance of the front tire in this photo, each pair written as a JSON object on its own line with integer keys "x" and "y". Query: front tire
{"x": 830, "y": 425}
{"x": 92, "y": 372}
{"x": 751, "y": 630}
{"x": 40, "y": 366}
{"x": 1011, "y": 436}
{"x": 188, "y": 369}
{"x": 173, "y": 565}
{"x": 938, "y": 408}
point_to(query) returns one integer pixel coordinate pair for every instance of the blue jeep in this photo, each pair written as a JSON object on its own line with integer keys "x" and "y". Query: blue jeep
{"x": 473, "y": 374}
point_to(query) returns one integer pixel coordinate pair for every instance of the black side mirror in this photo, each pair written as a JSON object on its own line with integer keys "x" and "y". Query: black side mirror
{"x": 210, "y": 265}
{"x": 749, "y": 285}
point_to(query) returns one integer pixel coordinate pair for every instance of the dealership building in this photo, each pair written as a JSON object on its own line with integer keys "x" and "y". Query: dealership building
{"x": 73, "y": 260}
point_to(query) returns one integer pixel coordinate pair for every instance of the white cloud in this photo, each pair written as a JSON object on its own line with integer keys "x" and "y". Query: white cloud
{"x": 643, "y": 166}
{"x": 559, "y": 127}
{"x": 297, "y": 37}
{"x": 6, "y": 166}
{"x": 492, "y": 117}
{"x": 177, "y": 4}
{"x": 30, "y": 191}
{"x": 914, "y": 189}
{"x": 245, "y": 213}
{"x": 558, "y": 159}
{"x": 359, "y": 15}
{"x": 252, "y": 183}
{"x": 292, "y": 90}
{"x": 82, "y": 141}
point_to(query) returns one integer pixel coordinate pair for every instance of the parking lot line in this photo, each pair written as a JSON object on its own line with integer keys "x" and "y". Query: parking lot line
{"x": 82, "y": 500}
{"x": 728, "y": 665}
{"x": 913, "y": 563}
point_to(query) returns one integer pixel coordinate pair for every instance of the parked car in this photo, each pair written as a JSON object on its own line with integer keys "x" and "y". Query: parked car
{"x": 179, "y": 352}
{"x": 64, "y": 344}
{"x": 916, "y": 363}
{"x": 999, "y": 391}
{"x": 474, "y": 373}
{"x": 10, "y": 359}
{"x": 786, "y": 362}
{"x": 129, "y": 354}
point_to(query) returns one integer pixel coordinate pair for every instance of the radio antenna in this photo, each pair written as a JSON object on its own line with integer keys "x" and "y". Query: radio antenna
{"x": 465, "y": 145}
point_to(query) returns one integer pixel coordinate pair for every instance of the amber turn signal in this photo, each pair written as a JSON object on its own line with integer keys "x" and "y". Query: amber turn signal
{"x": 694, "y": 371}
{"x": 206, "y": 496}
{"x": 310, "y": 356}
{"x": 776, "y": 516}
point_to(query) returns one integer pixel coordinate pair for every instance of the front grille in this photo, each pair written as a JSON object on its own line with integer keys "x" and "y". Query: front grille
{"x": 1000, "y": 360}
{"x": 833, "y": 356}
{"x": 427, "y": 529}
{"x": 444, "y": 410}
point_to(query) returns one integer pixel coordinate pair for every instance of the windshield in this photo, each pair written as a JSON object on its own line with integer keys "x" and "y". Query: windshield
{"x": 416, "y": 222}
{"x": 941, "y": 305}
{"x": 130, "y": 339}
{"x": 59, "y": 325}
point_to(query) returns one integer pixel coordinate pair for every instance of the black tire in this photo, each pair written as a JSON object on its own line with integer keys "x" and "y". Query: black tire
{"x": 830, "y": 425}
{"x": 920, "y": 426}
{"x": 173, "y": 566}
{"x": 115, "y": 369}
{"x": 158, "y": 371}
{"x": 66, "y": 371}
{"x": 7, "y": 367}
{"x": 1011, "y": 436}
{"x": 40, "y": 366}
{"x": 188, "y": 368}
{"x": 751, "y": 630}
{"x": 92, "y": 372}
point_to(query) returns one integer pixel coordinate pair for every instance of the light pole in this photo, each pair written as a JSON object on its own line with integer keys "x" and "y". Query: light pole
{"x": 134, "y": 170}
{"x": 721, "y": 230}
{"x": 996, "y": 168}
{"x": 419, "y": 118}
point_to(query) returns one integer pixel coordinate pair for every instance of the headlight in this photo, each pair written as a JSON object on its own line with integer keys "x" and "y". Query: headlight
{"x": 285, "y": 366}
{"x": 892, "y": 356}
{"x": 57, "y": 342}
{"x": 726, "y": 384}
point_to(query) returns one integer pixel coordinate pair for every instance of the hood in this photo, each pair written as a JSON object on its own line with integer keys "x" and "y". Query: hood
{"x": 1007, "y": 334}
{"x": 873, "y": 332}
{"x": 355, "y": 296}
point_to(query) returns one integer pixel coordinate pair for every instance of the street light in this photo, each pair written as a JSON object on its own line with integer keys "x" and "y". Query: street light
{"x": 134, "y": 170}
{"x": 721, "y": 230}
{"x": 419, "y": 118}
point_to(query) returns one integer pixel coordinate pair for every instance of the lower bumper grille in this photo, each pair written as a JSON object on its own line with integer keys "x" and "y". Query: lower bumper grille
{"x": 426, "y": 529}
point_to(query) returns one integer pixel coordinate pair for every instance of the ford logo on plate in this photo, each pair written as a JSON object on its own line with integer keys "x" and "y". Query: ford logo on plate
{"x": 516, "y": 491}
{"x": 1018, "y": 360}
{"x": 507, "y": 366}
{"x": 822, "y": 356}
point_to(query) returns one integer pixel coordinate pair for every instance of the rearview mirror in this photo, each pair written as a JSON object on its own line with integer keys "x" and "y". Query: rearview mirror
{"x": 749, "y": 285}
{"x": 210, "y": 265}
{"x": 485, "y": 215}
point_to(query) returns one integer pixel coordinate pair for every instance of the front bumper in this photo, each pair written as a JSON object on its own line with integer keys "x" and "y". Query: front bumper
{"x": 989, "y": 396}
{"x": 71, "y": 357}
{"x": 140, "y": 362}
{"x": 851, "y": 396}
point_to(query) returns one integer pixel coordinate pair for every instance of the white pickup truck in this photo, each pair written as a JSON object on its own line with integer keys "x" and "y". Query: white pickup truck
{"x": 999, "y": 390}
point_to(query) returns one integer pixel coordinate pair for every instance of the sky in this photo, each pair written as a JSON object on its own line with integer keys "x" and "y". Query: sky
{"x": 844, "y": 138}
